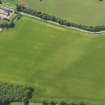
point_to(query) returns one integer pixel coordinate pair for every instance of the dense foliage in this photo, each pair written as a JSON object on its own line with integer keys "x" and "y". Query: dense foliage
{"x": 10, "y": 23}
{"x": 11, "y": 93}
{"x": 59, "y": 20}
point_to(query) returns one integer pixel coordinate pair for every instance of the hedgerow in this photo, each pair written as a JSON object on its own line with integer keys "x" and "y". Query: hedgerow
{"x": 58, "y": 20}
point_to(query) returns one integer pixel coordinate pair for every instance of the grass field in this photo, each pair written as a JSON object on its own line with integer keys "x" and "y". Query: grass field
{"x": 89, "y": 12}
{"x": 60, "y": 64}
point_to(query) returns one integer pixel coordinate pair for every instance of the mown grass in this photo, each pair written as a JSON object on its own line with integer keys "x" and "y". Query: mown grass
{"x": 60, "y": 64}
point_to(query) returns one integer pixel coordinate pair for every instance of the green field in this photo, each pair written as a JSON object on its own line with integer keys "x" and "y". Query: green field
{"x": 60, "y": 64}
{"x": 90, "y": 12}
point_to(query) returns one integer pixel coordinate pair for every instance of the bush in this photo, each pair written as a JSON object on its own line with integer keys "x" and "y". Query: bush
{"x": 63, "y": 103}
{"x": 45, "y": 103}
{"x": 53, "y": 103}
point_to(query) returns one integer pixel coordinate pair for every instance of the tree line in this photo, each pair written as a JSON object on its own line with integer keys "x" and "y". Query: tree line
{"x": 58, "y": 20}
{"x": 18, "y": 93}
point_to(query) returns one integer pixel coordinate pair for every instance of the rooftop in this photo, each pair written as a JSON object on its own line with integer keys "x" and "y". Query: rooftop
{"x": 5, "y": 12}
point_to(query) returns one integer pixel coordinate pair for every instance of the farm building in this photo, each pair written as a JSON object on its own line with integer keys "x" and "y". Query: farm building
{"x": 5, "y": 13}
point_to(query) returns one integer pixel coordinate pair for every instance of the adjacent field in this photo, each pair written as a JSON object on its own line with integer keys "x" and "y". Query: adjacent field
{"x": 90, "y": 12}
{"x": 60, "y": 64}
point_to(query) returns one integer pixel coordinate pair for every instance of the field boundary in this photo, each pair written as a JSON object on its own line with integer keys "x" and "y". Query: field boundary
{"x": 54, "y": 23}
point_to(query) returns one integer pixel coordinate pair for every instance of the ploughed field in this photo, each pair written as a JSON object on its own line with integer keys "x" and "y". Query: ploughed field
{"x": 60, "y": 64}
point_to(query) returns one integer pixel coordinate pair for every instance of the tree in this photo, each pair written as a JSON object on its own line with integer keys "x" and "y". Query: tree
{"x": 63, "y": 103}
{"x": 26, "y": 101}
{"x": 53, "y": 103}
{"x": 100, "y": 0}
{"x": 28, "y": 93}
{"x": 82, "y": 103}
{"x": 0, "y": 1}
{"x": 72, "y": 103}
{"x": 45, "y": 103}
